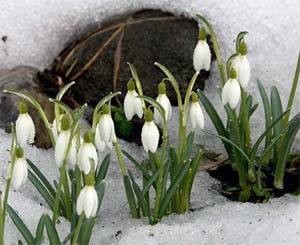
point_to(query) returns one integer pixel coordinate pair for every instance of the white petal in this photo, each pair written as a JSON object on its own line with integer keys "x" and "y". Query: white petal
{"x": 202, "y": 56}
{"x": 19, "y": 173}
{"x": 244, "y": 72}
{"x": 150, "y": 136}
{"x": 106, "y": 128}
{"x": 25, "y": 129}
{"x": 129, "y": 105}
{"x": 138, "y": 107}
{"x": 196, "y": 116}
{"x": 224, "y": 93}
{"x": 72, "y": 155}
{"x": 100, "y": 144}
{"x": 234, "y": 93}
{"x": 80, "y": 201}
{"x": 60, "y": 147}
{"x": 90, "y": 201}
{"x": 86, "y": 153}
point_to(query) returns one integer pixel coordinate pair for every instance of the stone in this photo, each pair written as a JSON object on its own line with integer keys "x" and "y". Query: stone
{"x": 98, "y": 60}
{"x": 22, "y": 79}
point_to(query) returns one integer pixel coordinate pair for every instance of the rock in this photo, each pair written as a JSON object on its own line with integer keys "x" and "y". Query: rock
{"x": 98, "y": 60}
{"x": 22, "y": 79}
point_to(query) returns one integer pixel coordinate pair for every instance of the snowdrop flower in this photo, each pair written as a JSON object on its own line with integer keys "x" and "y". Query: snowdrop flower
{"x": 56, "y": 128}
{"x": 106, "y": 135}
{"x": 62, "y": 144}
{"x": 231, "y": 92}
{"x": 132, "y": 104}
{"x": 241, "y": 64}
{"x": 150, "y": 133}
{"x": 87, "y": 202}
{"x": 196, "y": 114}
{"x": 87, "y": 154}
{"x": 25, "y": 129}
{"x": 19, "y": 172}
{"x": 164, "y": 101}
{"x": 202, "y": 54}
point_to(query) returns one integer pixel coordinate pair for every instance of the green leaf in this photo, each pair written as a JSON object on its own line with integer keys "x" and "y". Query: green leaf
{"x": 86, "y": 231}
{"x": 100, "y": 188}
{"x": 140, "y": 196}
{"x": 41, "y": 189}
{"x": 137, "y": 164}
{"x": 172, "y": 189}
{"x": 20, "y": 225}
{"x": 130, "y": 197}
{"x": 276, "y": 108}
{"x": 216, "y": 120}
{"x": 287, "y": 142}
{"x": 51, "y": 230}
{"x": 42, "y": 178}
{"x": 103, "y": 169}
{"x": 40, "y": 231}
{"x": 150, "y": 182}
{"x": 253, "y": 152}
{"x": 267, "y": 110}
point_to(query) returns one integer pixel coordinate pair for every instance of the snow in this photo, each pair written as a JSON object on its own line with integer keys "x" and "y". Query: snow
{"x": 215, "y": 220}
{"x": 37, "y": 30}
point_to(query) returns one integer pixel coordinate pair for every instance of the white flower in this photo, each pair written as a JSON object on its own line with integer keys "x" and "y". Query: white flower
{"x": 196, "y": 114}
{"x": 56, "y": 129}
{"x": 25, "y": 129}
{"x": 164, "y": 101}
{"x": 106, "y": 135}
{"x": 19, "y": 172}
{"x": 132, "y": 104}
{"x": 61, "y": 148}
{"x": 150, "y": 133}
{"x": 87, "y": 153}
{"x": 100, "y": 144}
{"x": 87, "y": 202}
{"x": 242, "y": 66}
{"x": 231, "y": 92}
{"x": 202, "y": 54}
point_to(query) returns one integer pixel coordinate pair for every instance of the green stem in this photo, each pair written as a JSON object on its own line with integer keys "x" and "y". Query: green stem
{"x": 58, "y": 193}
{"x": 77, "y": 229}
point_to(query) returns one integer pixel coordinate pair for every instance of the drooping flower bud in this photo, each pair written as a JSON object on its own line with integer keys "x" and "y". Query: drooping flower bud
{"x": 231, "y": 92}
{"x": 56, "y": 125}
{"x": 132, "y": 104}
{"x": 25, "y": 129}
{"x": 106, "y": 135}
{"x": 62, "y": 142}
{"x": 241, "y": 64}
{"x": 87, "y": 202}
{"x": 164, "y": 101}
{"x": 196, "y": 114}
{"x": 150, "y": 133}
{"x": 87, "y": 154}
{"x": 202, "y": 54}
{"x": 19, "y": 172}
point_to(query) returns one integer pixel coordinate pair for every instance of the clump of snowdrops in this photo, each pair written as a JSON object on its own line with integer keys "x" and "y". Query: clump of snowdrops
{"x": 168, "y": 172}
{"x": 245, "y": 156}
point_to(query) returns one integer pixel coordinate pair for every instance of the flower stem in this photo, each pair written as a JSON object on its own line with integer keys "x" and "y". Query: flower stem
{"x": 77, "y": 229}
